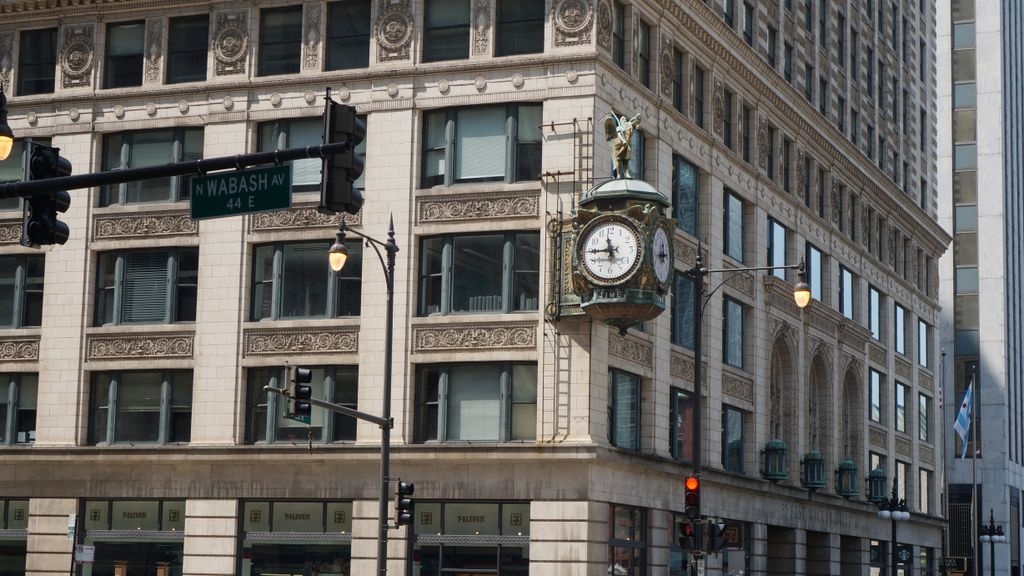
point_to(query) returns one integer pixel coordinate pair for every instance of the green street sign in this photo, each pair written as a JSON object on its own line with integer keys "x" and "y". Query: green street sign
{"x": 303, "y": 419}
{"x": 241, "y": 192}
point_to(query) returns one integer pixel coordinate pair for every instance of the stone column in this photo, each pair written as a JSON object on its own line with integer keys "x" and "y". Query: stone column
{"x": 49, "y": 548}
{"x": 565, "y": 534}
{"x": 211, "y": 537}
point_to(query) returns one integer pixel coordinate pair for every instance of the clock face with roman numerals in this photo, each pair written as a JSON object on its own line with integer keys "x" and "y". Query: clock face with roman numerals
{"x": 661, "y": 255}
{"x": 610, "y": 251}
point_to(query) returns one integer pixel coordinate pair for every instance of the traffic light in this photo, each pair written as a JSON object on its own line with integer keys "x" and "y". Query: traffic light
{"x": 340, "y": 171}
{"x": 692, "y": 497}
{"x": 40, "y": 225}
{"x": 300, "y": 393}
{"x": 687, "y": 536}
{"x": 403, "y": 503}
{"x": 717, "y": 535}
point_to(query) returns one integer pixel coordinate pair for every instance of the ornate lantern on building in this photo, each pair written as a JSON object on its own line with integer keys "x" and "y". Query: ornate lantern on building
{"x": 846, "y": 479}
{"x": 812, "y": 476}
{"x": 773, "y": 461}
{"x": 876, "y": 485}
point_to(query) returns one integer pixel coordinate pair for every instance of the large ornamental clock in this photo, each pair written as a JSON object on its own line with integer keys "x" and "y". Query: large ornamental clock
{"x": 622, "y": 259}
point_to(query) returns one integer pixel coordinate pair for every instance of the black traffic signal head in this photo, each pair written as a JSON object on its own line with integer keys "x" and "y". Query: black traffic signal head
{"x": 40, "y": 223}
{"x": 403, "y": 503}
{"x": 691, "y": 497}
{"x": 301, "y": 392}
{"x": 688, "y": 535}
{"x": 340, "y": 171}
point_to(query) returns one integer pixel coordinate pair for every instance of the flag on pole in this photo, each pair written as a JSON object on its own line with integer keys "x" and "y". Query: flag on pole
{"x": 963, "y": 418}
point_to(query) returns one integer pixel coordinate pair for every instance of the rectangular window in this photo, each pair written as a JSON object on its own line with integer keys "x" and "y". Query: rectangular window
{"x": 348, "y": 35}
{"x": 145, "y": 407}
{"x": 902, "y": 479}
{"x": 841, "y": 40}
{"x": 643, "y": 49}
{"x": 123, "y": 64}
{"x": 734, "y": 227}
{"x": 846, "y": 296}
{"x": 823, "y": 23}
{"x": 292, "y": 280}
{"x": 748, "y": 23}
{"x": 727, "y": 118}
{"x": 521, "y": 27}
{"x": 481, "y": 144}
{"x": 618, "y": 32}
{"x": 698, "y": 96}
{"x": 186, "y": 48}
{"x": 624, "y": 410}
{"x": 924, "y": 418}
{"x": 822, "y": 184}
{"x": 682, "y": 310}
{"x": 769, "y": 148}
{"x": 899, "y": 328}
{"x": 476, "y": 402}
{"x": 875, "y": 404}
{"x": 925, "y": 503}
{"x": 748, "y": 120}
{"x": 809, "y": 17}
{"x": 732, "y": 439}
{"x": 787, "y": 160}
{"x": 280, "y": 41}
{"x": 681, "y": 426}
{"x": 875, "y": 313}
{"x": 815, "y": 271}
{"x": 18, "y": 397}
{"x": 773, "y": 46}
{"x": 777, "y": 247}
{"x": 147, "y": 286}
{"x": 854, "y": 56}
{"x": 787, "y": 62}
{"x": 627, "y": 542}
{"x": 823, "y": 96}
{"x": 267, "y": 420}
{"x": 479, "y": 273}
{"x": 37, "y": 61}
{"x": 871, "y": 73}
{"x": 922, "y": 343}
{"x": 732, "y": 332}
{"x": 686, "y": 185}
{"x": 12, "y": 168}
{"x": 21, "y": 291}
{"x": 678, "y": 96}
{"x": 809, "y": 82}
{"x": 855, "y": 127}
{"x": 144, "y": 148}
{"x": 901, "y": 407}
{"x": 841, "y": 115}
{"x": 729, "y": 12}
{"x": 296, "y": 133}
{"x": 922, "y": 60}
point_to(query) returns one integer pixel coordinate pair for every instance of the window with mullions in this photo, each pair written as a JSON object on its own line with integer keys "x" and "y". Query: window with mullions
{"x": 144, "y": 407}
{"x": 877, "y": 381}
{"x": 678, "y": 96}
{"x": 619, "y": 34}
{"x": 145, "y": 535}
{"x": 627, "y": 540}
{"x": 149, "y": 148}
{"x": 461, "y": 538}
{"x": 624, "y": 409}
{"x": 18, "y": 396}
{"x": 777, "y": 248}
{"x": 727, "y": 101}
{"x": 147, "y": 286}
{"x": 682, "y": 310}
{"x": 681, "y": 425}
{"x": 123, "y": 64}
{"x": 280, "y": 40}
{"x": 479, "y": 273}
{"x": 732, "y": 332}
{"x": 846, "y": 295}
{"x": 520, "y": 27}
{"x": 748, "y": 125}
{"x": 12, "y": 169}
{"x": 292, "y": 280}
{"x": 643, "y": 52}
{"x": 482, "y": 144}
{"x": 729, "y": 12}
{"x": 733, "y": 222}
{"x": 698, "y": 96}
{"x": 923, "y": 332}
{"x": 37, "y": 61}
{"x": 480, "y": 402}
{"x": 901, "y": 407}
{"x": 924, "y": 418}
{"x": 186, "y": 48}
{"x": 446, "y": 30}
{"x": 266, "y": 421}
{"x": 348, "y": 35}
{"x": 21, "y": 291}
{"x": 899, "y": 329}
{"x": 815, "y": 271}
{"x": 748, "y": 23}
{"x": 732, "y": 439}
{"x": 296, "y": 133}
{"x": 875, "y": 312}
{"x": 686, "y": 186}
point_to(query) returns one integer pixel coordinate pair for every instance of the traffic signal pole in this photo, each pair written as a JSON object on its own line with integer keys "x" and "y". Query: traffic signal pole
{"x": 191, "y": 167}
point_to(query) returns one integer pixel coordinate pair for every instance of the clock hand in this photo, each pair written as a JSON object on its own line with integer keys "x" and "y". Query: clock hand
{"x": 611, "y": 248}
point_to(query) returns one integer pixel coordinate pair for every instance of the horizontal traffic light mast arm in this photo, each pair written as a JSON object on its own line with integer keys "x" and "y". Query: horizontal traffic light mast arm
{"x": 343, "y": 410}
{"x": 192, "y": 167}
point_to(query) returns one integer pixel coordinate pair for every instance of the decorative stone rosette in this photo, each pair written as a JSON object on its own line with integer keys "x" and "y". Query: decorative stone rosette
{"x": 393, "y": 31}
{"x": 481, "y": 27}
{"x": 230, "y": 42}
{"x": 604, "y": 25}
{"x": 572, "y": 22}
{"x": 77, "y": 55}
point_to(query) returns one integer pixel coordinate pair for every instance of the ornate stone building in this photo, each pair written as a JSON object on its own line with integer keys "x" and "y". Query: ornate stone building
{"x": 132, "y": 358}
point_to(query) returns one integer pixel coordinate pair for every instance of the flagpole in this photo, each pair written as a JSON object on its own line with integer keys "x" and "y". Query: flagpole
{"x": 974, "y": 471}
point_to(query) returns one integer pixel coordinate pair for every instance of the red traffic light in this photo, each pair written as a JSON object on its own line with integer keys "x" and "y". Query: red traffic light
{"x": 692, "y": 483}
{"x": 691, "y": 497}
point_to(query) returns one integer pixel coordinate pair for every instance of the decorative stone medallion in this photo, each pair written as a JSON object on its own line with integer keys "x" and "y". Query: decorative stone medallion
{"x": 572, "y": 76}
{"x": 309, "y": 97}
{"x": 183, "y": 106}
{"x": 150, "y": 109}
{"x": 518, "y": 80}
{"x": 392, "y": 89}
{"x": 393, "y": 31}
{"x": 76, "y": 56}
{"x": 573, "y": 20}
{"x": 481, "y": 26}
{"x": 718, "y": 106}
{"x": 604, "y": 25}
{"x": 667, "y": 66}
{"x": 228, "y": 102}
{"x": 74, "y": 114}
{"x": 119, "y": 111}
{"x": 480, "y": 83}
{"x": 762, "y": 143}
{"x": 230, "y": 43}
{"x": 32, "y": 118}
{"x": 443, "y": 86}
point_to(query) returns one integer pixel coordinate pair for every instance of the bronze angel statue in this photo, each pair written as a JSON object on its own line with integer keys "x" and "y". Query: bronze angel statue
{"x": 619, "y": 131}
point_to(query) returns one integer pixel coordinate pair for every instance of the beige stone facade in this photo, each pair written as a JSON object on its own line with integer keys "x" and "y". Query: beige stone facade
{"x": 804, "y": 375}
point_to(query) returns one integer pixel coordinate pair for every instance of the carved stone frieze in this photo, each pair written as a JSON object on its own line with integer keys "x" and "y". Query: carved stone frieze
{"x": 877, "y": 355}
{"x": 681, "y": 367}
{"x": 685, "y": 251}
{"x": 926, "y": 455}
{"x": 139, "y": 347}
{"x": 6, "y": 60}
{"x": 604, "y": 24}
{"x": 837, "y": 200}
{"x": 573, "y": 20}
{"x": 10, "y": 232}
{"x": 877, "y": 438}
{"x": 736, "y": 387}
{"x": 477, "y": 207}
{"x": 19, "y": 349}
{"x": 801, "y": 170}
{"x": 268, "y": 342}
{"x": 779, "y": 295}
{"x": 311, "y": 36}
{"x": 77, "y": 55}
{"x": 822, "y": 320}
{"x": 903, "y": 446}
{"x": 306, "y": 216}
{"x": 742, "y": 282}
{"x": 631, "y": 349}
{"x": 230, "y": 42}
{"x": 903, "y": 369}
{"x": 667, "y": 65}
{"x": 718, "y": 105}
{"x": 851, "y": 336}
{"x": 393, "y": 30}
{"x": 470, "y": 337}
{"x": 924, "y": 380}
{"x": 143, "y": 225}
{"x": 154, "y": 49}
{"x": 481, "y": 27}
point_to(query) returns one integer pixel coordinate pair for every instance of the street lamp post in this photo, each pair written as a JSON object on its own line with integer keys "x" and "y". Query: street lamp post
{"x": 801, "y": 294}
{"x": 894, "y": 509}
{"x": 338, "y": 256}
{"x": 992, "y": 534}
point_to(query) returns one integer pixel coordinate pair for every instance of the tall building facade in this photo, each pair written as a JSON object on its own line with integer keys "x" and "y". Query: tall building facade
{"x": 133, "y": 357}
{"x": 980, "y": 64}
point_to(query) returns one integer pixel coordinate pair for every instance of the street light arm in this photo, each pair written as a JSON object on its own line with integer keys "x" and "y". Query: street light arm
{"x": 699, "y": 272}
